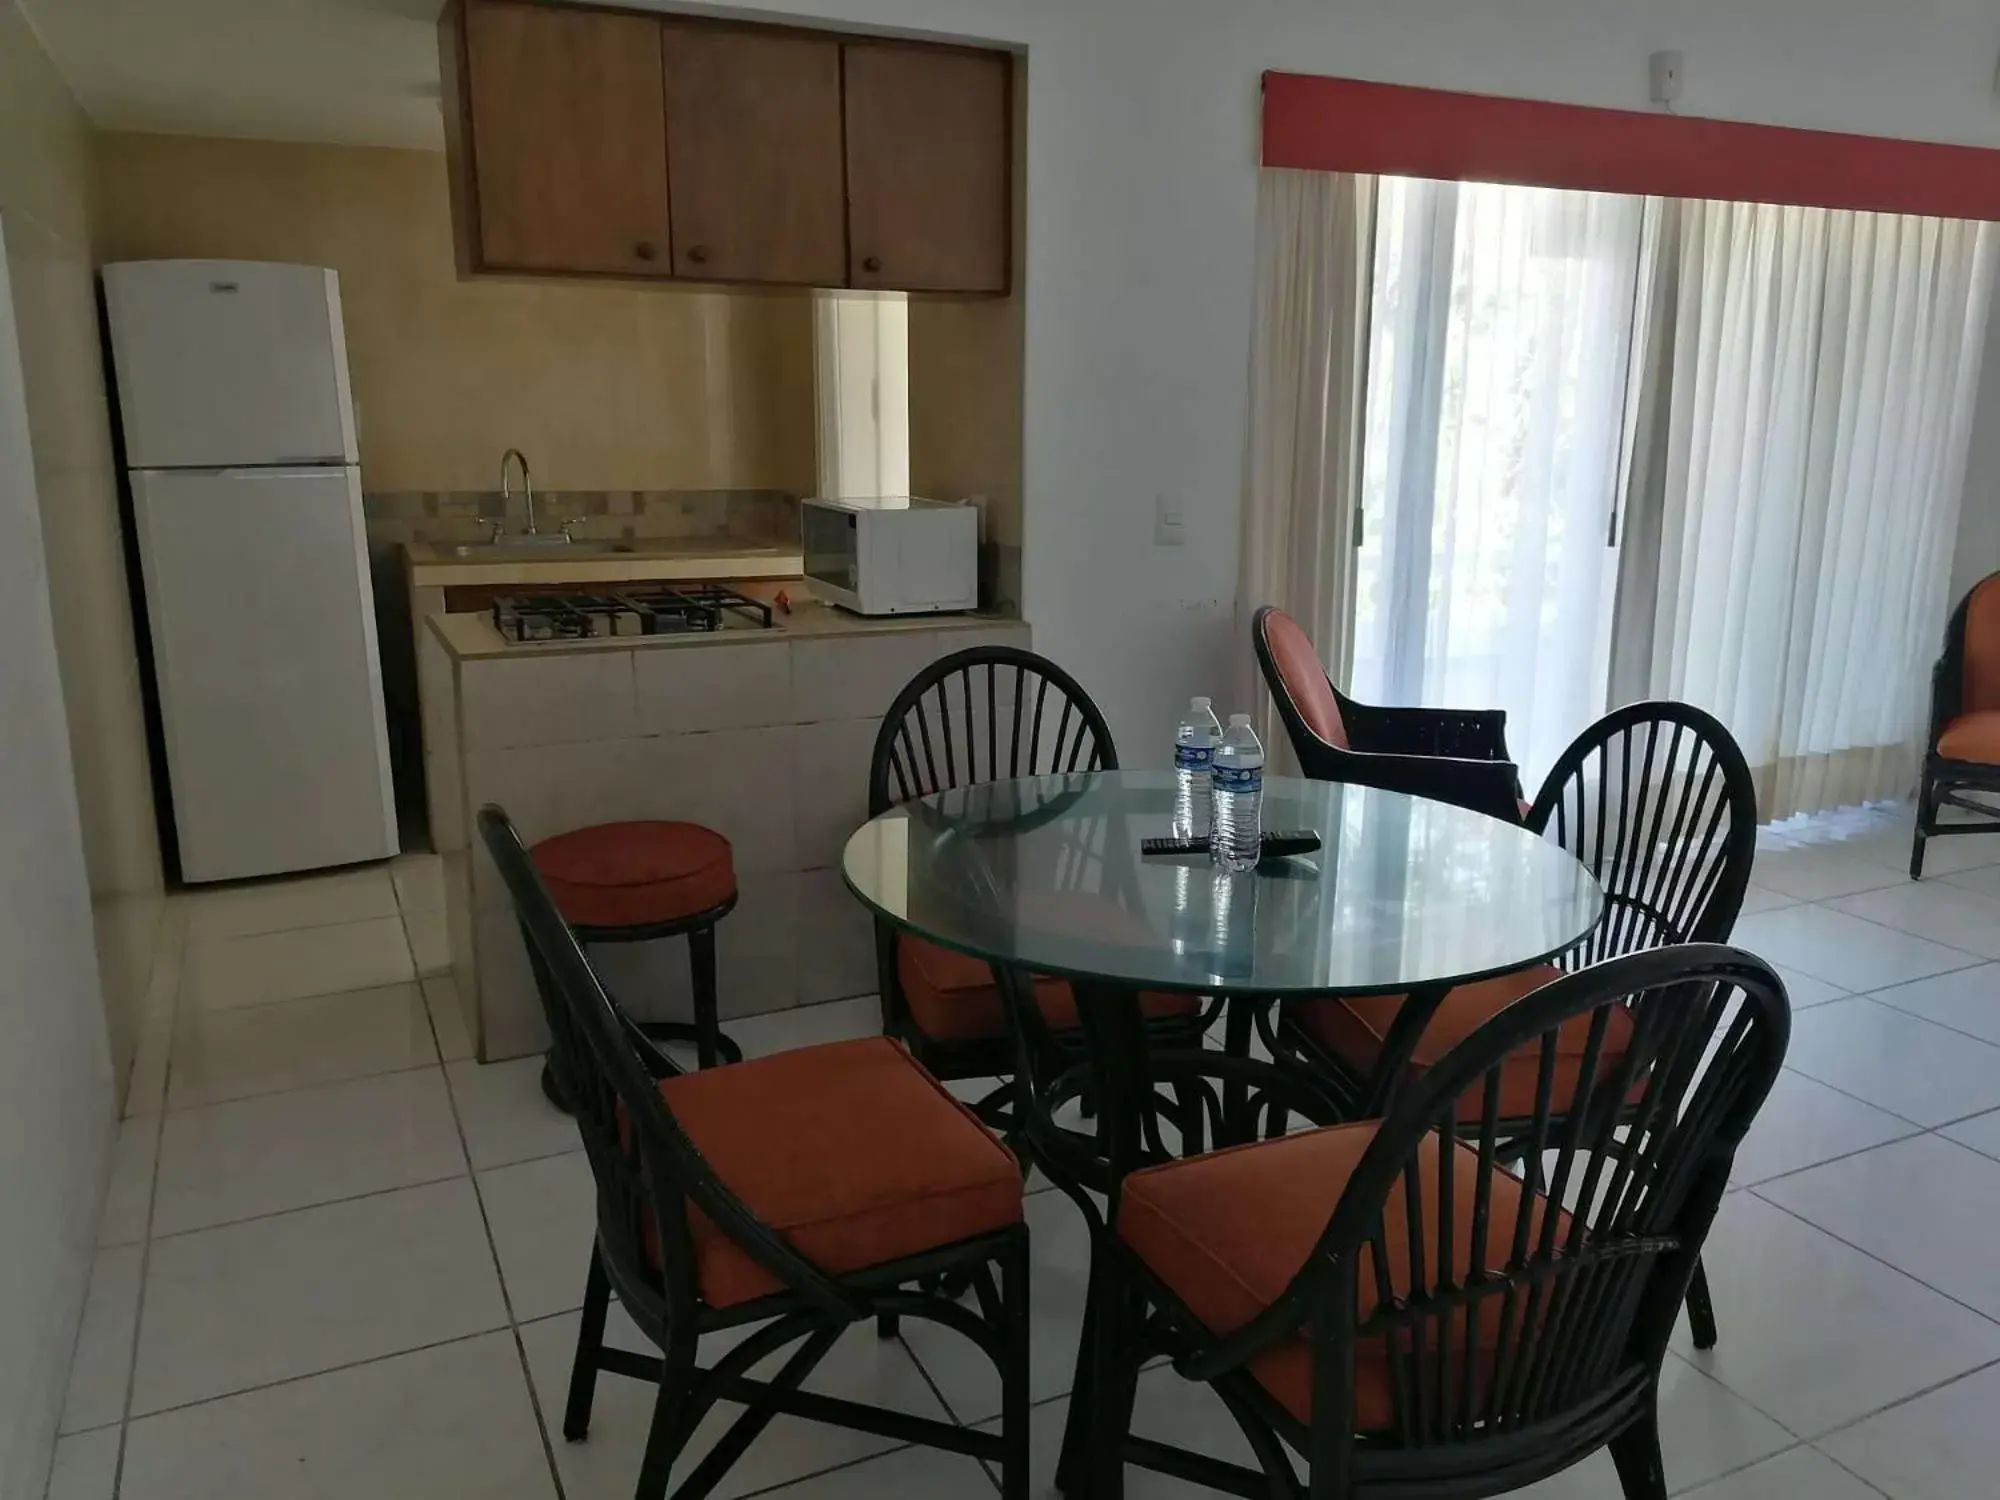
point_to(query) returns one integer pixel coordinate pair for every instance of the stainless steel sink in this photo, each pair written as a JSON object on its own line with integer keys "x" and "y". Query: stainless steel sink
{"x": 514, "y": 549}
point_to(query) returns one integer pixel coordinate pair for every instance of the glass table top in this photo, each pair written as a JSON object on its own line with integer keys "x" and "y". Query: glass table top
{"x": 1046, "y": 874}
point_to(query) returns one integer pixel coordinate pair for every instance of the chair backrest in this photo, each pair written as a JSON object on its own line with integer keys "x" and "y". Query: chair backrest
{"x": 1657, "y": 802}
{"x": 1298, "y": 682}
{"x": 648, "y": 1172}
{"x": 989, "y": 713}
{"x": 1548, "y": 1338}
{"x": 1977, "y": 634}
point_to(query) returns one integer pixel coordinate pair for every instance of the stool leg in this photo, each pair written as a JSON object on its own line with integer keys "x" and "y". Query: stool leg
{"x": 701, "y": 960}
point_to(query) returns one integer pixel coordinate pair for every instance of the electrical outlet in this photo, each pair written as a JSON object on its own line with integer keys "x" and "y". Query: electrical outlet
{"x": 1168, "y": 528}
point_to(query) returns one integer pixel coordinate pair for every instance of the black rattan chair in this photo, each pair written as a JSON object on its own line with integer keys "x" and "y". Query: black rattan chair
{"x": 986, "y": 714}
{"x": 1655, "y": 800}
{"x": 1392, "y": 1303}
{"x": 805, "y": 1193}
{"x": 1962, "y": 748}
{"x": 1446, "y": 754}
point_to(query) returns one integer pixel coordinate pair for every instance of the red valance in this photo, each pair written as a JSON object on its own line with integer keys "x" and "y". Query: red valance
{"x": 1343, "y": 125}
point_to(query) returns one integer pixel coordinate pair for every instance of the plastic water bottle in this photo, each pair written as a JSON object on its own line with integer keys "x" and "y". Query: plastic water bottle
{"x": 1235, "y": 830}
{"x": 1194, "y": 752}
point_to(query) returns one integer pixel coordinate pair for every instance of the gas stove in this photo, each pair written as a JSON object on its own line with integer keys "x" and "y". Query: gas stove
{"x": 645, "y": 609}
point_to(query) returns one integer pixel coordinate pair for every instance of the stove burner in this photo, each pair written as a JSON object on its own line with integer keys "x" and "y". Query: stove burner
{"x": 652, "y": 609}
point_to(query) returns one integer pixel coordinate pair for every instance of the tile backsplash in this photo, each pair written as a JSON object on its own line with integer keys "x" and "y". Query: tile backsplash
{"x": 398, "y": 516}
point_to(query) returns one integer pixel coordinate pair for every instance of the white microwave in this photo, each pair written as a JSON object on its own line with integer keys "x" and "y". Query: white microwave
{"x": 894, "y": 556}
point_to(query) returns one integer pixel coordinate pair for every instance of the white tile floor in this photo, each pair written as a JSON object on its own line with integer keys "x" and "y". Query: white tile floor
{"x": 339, "y": 1258}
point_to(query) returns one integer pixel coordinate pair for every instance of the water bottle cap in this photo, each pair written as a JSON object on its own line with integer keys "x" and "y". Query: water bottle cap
{"x": 1199, "y": 703}
{"x": 1235, "y": 719}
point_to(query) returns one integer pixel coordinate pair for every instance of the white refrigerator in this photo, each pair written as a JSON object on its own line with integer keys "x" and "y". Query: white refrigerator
{"x": 246, "y": 496}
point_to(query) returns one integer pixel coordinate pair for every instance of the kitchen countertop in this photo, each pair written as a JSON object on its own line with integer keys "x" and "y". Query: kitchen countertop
{"x": 711, "y": 558}
{"x": 471, "y": 637}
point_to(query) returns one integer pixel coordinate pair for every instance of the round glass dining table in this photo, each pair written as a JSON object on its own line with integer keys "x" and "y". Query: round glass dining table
{"x": 1045, "y": 877}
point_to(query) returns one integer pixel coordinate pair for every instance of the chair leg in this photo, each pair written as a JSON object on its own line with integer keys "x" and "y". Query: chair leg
{"x": 1014, "y": 1395}
{"x": 1642, "y": 1473}
{"x": 701, "y": 960}
{"x": 1701, "y": 1311}
{"x": 1924, "y": 795}
{"x": 589, "y": 1343}
{"x": 1073, "y": 1464}
{"x": 887, "y": 1325}
{"x": 663, "y": 1445}
{"x": 1115, "y": 1384}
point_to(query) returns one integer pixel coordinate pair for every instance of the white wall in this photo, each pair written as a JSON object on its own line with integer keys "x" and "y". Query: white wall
{"x": 1142, "y": 150}
{"x": 1979, "y": 521}
{"x": 55, "y": 1068}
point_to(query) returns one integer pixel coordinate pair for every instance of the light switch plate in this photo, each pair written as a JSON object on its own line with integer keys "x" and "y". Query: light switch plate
{"x": 1168, "y": 527}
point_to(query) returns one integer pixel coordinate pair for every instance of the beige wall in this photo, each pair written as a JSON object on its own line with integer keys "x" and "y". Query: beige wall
{"x": 604, "y": 385}
{"x": 76, "y": 846}
{"x": 45, "y": 190}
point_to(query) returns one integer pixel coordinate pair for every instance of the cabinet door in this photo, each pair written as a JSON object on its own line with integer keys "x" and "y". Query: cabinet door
{"x": 753, "y": 155}
{"x": 568, "y": 138}
{"x": 928, "y": 157}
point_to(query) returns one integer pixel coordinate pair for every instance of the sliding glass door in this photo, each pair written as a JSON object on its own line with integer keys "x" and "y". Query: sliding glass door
{"x": 1500, "y": 341}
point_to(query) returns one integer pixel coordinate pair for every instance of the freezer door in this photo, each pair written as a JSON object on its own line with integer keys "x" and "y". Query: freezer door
{"x": 263, "y": 628}
{"x": 229, "y": 364}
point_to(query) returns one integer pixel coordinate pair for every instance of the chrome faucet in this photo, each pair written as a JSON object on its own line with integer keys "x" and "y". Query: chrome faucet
{"x": 527, "y": 485}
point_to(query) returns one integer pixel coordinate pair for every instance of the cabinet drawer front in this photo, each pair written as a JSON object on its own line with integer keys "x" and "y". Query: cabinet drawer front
{"x": 568, "y": 137}
{"x": 753, "y": 155}
{"x": 928, "y": 167}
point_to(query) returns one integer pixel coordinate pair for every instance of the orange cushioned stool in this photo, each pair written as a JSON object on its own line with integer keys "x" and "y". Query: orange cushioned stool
{"x": 640, "y": 881}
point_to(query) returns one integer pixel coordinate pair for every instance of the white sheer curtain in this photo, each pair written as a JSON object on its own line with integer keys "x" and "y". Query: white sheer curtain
{"x": 1497, "y": 375}
{"x": 1302, "y": 462}
{"x": 1812, "y": 456}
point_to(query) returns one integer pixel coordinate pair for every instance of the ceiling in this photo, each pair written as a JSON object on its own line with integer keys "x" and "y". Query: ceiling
{"x": 362, "y": 72}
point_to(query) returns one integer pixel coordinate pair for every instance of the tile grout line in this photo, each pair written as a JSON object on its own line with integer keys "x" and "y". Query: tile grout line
{"x": 255, "y": 1007}
{"x": 306, "y": 1208}
{"x": 159, "y": 1117}
{"x": 1865, "y": 1483}
{"x": 1880, "y": 1261}
{"x": 305, "y": 1375}
{"x": 1901, "y": 1401}
{"x": 1789, "y": 1173}
{"x": 1877, "y": 997}
{"x": 493, "y": 1251}
{"x": 301, "y": 1088}
{"x": 1792, "y": 1067}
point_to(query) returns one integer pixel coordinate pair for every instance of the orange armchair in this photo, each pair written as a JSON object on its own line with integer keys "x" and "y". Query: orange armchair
{"x": 1962, "y": 752}
{"x": 1446, "y": 754}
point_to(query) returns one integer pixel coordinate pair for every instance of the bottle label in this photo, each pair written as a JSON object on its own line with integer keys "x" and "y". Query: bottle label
{"x": 1239, "y": 778}
{"x": 1193, "y": 757}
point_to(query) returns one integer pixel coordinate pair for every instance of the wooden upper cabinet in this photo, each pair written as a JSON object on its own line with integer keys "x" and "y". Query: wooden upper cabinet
{"x": 753, "y": 155}
{"x": 590, "y": 141}
{"x": 568, "y": 155}
{"x": 929, "y": 191}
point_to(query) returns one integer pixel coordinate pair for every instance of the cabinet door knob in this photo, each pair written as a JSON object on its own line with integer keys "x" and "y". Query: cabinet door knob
{"x": 645, "y": 250}
{"x": 872, "y": 263}
{"x": 698, "y": 254}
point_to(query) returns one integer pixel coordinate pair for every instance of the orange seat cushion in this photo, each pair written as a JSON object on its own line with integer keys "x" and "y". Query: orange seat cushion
{"x": 636, "y": 874}
{"x": 1353, "y": 1031}
{"x": 1227, "y": 1232}
{"x": 850, "y": 1150}
{"x": 1304, "y": 677}
{"x": 953, "y": 997}
{"x": 1972, "y": 737}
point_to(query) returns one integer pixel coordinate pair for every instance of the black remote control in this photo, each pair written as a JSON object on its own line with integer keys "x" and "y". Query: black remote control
{"x": 1275, "y": 845}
